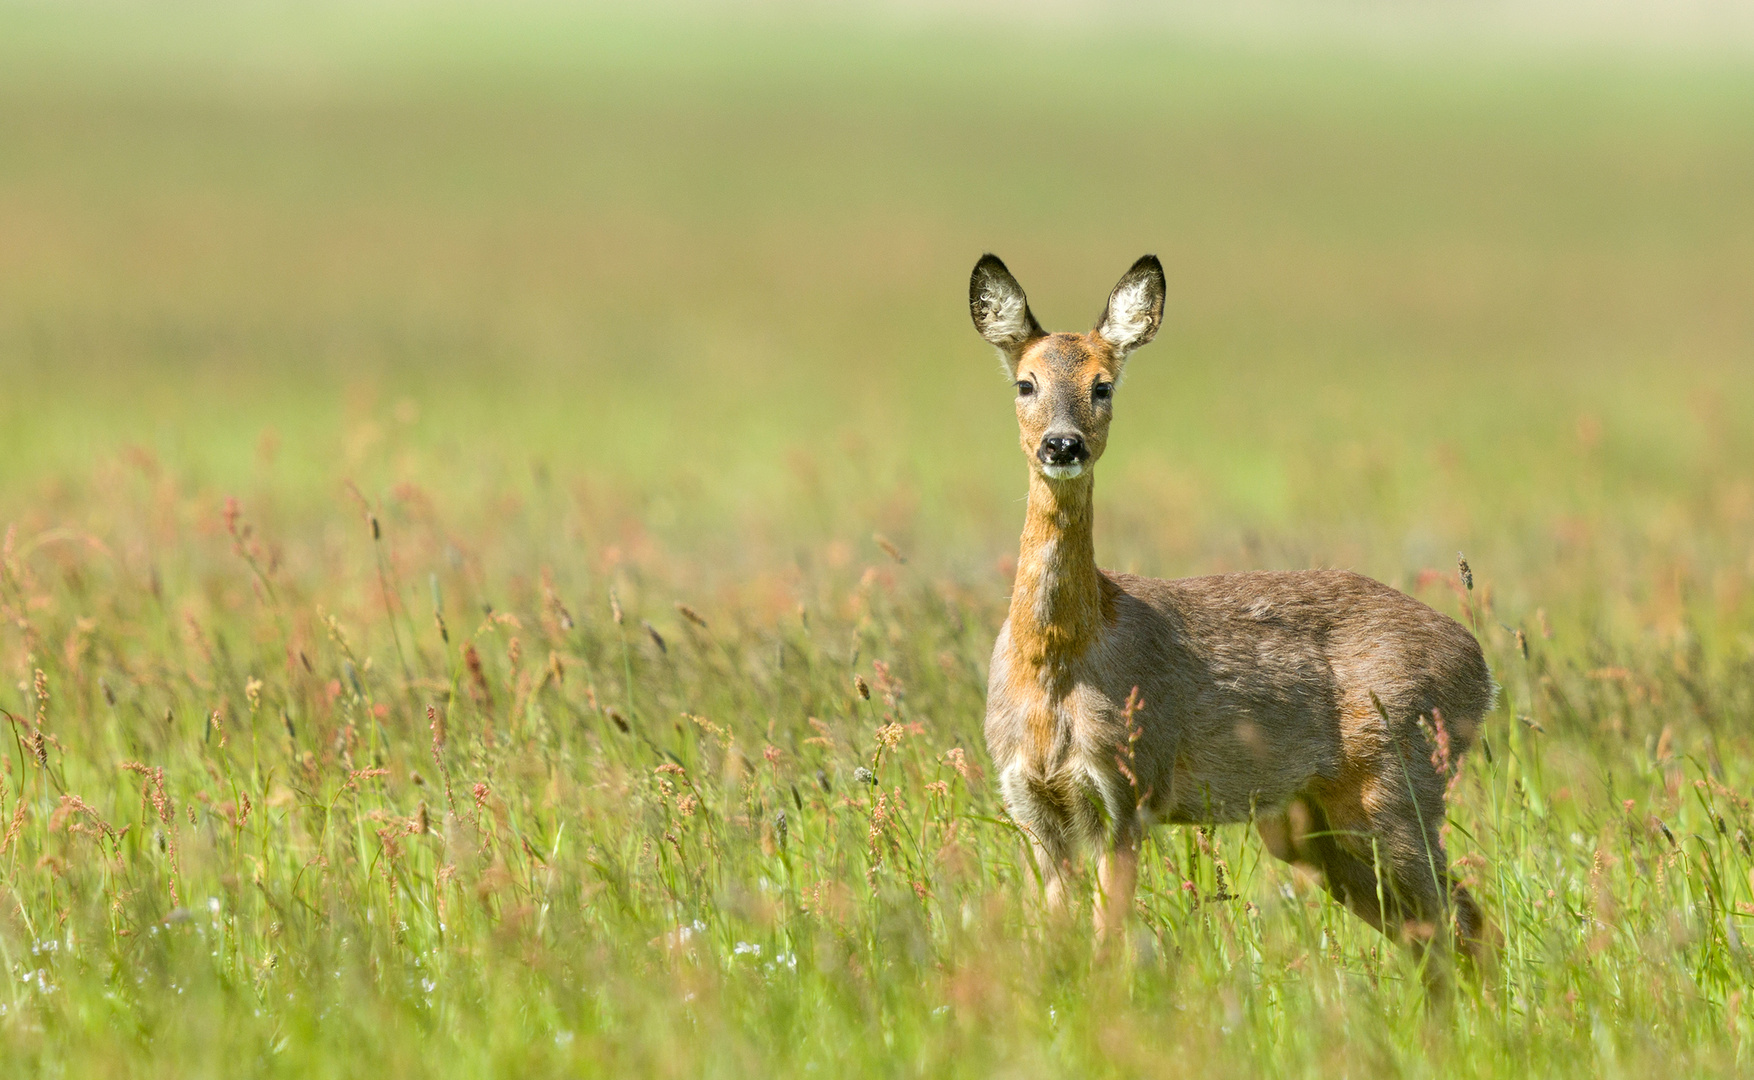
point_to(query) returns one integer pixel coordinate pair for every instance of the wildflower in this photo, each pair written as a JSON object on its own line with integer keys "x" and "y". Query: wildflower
{"x": 722, "y": 734}
{"x": 886, "y": 684}
{"x": 822, "y": 737}
{"x": 231, "y": 513}
{"x": 357, "y": 775}
{"x": 472, "y": 660}
{"x": 1440, "y": 745}
{"x": 958, "y": 761}
{"x": 879, "y": 820}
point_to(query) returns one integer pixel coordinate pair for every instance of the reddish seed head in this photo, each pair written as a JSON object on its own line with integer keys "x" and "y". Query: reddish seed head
{"x": 436, "y": 723}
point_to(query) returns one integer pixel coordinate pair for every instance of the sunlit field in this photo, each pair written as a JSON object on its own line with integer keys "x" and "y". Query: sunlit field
{"x": 505, "y": 517}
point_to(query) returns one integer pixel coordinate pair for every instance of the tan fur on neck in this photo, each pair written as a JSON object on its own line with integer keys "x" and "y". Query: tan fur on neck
{"x": 1060, "y": 601}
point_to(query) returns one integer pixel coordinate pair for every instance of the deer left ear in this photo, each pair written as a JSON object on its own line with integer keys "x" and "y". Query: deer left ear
{"x": 1135, "y": 308}
{"x": 1000, "y": 310}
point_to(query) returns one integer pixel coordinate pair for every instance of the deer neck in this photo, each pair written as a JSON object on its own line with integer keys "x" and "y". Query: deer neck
{"x": 1059, "y": 600}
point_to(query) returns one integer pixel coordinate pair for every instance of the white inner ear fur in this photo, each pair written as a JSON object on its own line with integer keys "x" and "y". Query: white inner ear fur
{"x": 1004, "y": 316}
{"x": 1130, "y": 320}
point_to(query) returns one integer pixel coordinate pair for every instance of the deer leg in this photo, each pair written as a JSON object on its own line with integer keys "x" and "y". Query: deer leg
{"x": 1116, "y": 878}
{"x": 1304, "y": 836}
{"x": 1053, "y": 878}
{"x": 1404, "y": 889}
{"x": 1053, "y": 861}
{"x": 1286, "y": 834}
{"x": 1275, "y": 829}
{"x": 1418, "y": 869}
{"x": 1474, "y": 935}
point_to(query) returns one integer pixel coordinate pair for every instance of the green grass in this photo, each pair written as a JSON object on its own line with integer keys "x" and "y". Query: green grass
{"x": 576, "y": 309}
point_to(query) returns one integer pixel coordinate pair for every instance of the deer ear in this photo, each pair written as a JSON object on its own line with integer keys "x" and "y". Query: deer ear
{"x": 1135, "y": 308}
{"x": 1000, "y": 310}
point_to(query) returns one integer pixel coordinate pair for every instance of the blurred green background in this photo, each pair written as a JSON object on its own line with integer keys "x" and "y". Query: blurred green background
{"x": 1434, "y": 282}
{"x": 671, "y": 307}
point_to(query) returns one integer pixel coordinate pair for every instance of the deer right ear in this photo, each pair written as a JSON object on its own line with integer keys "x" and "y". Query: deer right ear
{"x": 1135, "y": 308}
{"x": 1000, "y": 310}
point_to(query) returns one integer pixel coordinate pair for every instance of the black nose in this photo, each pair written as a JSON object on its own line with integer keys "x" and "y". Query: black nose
{"x": 1062, "y": 450}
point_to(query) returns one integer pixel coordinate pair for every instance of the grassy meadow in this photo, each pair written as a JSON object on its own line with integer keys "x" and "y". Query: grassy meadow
{"x": 503, "y": 518}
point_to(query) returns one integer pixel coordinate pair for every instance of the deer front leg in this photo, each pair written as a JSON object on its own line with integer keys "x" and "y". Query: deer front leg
{"x": 1116, "y": 878}
{"x": 1053, "y": 861}
{"x": 1053, "y": 887}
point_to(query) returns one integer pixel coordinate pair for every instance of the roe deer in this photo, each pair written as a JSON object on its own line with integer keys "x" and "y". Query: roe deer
{"x": 1301, "y": 700}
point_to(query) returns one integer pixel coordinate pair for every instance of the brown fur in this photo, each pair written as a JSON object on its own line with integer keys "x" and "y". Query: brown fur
{"x": 1298, "y": 700}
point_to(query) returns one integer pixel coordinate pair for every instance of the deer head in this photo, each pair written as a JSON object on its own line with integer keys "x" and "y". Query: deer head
{"x": 1065, "y": 382}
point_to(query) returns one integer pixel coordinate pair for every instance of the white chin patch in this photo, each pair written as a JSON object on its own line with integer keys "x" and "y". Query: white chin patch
{"x": 1063, "y": 472}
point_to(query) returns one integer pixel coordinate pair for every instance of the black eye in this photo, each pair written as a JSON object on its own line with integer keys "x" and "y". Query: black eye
{"x": 1102, "y": 391}
{"x": 1025, "y": 388}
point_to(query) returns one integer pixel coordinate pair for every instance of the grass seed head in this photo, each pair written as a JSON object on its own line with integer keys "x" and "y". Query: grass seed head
{"x": 889, "y": 548}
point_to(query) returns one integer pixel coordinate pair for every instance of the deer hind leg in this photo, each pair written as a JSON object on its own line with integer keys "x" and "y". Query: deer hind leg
{"x": 1439, "y": 909}
{"x": 1381, "y": 854}
{"x": 1392, "y": 832}
{"x": 1303, "y": 836}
